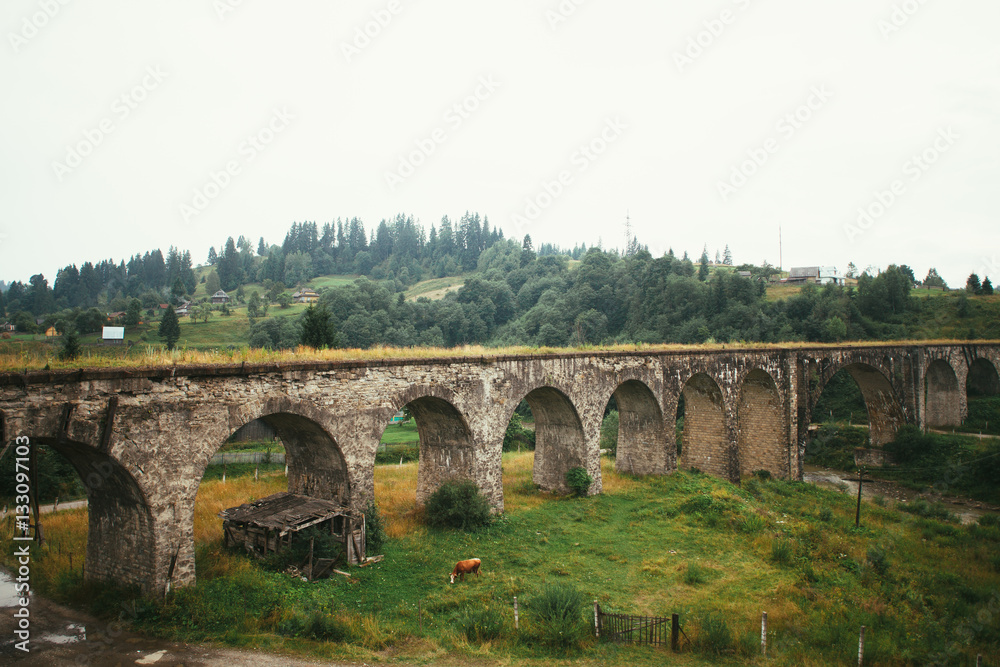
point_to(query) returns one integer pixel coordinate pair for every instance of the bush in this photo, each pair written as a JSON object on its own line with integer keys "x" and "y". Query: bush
{"x": 316, "y": 625}
{"x": 988, "y": 520}
{"x": 558, "y": 613}
{"x": 762, "y": 474}
{"x": 695, "y": 574}
{"x": 878, "y": 560}
{"x": 751, "y": 524}
{"x": 482, "y": 623}
{"x": 375, "y": 535}
{"x": 715, "y": 637}
{"x": 781, "y": 552}
{"x": 927, "y": 510}
{"x": 578, "y": 481}
{"x": 826, "y": 514}
{"x": 458, "y": 504}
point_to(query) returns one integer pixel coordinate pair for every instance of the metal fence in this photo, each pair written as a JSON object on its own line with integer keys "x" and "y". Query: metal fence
{"x": 651, "y": 630}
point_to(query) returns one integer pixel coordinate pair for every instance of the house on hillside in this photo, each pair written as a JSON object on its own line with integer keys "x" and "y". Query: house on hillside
{"x": 305, "y": 296}
{"x": 183, "y": 309}
{"x": 220, "y": 297}
{"x": 818, "y": 275}
{"x": 113, "y": 336}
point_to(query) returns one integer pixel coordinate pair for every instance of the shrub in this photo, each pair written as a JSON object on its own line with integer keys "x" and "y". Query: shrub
{"x": 927, "y": 510}
{"x": 988, "y": 520}
{"x": 715, "y": 637}
{"x": 578, "y": 480}
{"x": 458, "y": 504}
{"x": 315, "y": 625}
{"x": 751, "y": 524}
{"x": 558, "y": 612}
{"x": 878, "y": 560}
{"x": 762, "y": 474}
{"x": 695, "y": 574}
{"x": 374, "y": 530}
{"x": 826, "y": 514}
{"x": 482, "y": 623}
{"x": 781, "y": 552}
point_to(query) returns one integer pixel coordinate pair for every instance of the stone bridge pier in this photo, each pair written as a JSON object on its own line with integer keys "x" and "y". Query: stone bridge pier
{"x": 141, "y": 439}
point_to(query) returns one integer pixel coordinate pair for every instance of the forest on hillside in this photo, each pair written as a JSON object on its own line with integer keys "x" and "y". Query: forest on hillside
{"x": 511, "y": 293}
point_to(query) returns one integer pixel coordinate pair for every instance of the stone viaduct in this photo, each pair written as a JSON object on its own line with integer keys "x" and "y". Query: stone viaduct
{"x": 141, "y": 438}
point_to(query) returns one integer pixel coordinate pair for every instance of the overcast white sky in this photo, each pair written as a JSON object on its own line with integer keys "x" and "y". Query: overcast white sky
{"x": 183, "y": 85}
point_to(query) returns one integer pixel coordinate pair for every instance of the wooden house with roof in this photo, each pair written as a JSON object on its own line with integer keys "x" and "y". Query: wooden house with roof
{"x": 272, "y": 524}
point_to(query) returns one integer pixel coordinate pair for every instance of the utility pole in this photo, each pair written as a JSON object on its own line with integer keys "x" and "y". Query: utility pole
{"x": 628, "y": 232}
{"x": 781, "y": 261}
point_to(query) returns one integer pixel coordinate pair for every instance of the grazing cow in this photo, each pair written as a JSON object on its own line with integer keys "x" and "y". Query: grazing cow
{"x": 464, "y": 567}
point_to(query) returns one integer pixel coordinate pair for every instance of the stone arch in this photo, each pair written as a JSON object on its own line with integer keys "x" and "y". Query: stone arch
{"x": 121, "y": 539}
{"x": 446, "y": 445}
{"x": 560, "y": 443}
{"x": 706, "y": 434}
{"x": 983, "y": 379}
{"x": 943, "y": 405}
{"x": 762, "y": 432}
{"x": 644, "y": 445}
{"x": 885, "y": 413}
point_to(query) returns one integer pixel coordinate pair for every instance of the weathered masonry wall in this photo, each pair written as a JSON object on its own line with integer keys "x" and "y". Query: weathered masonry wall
{"x": 141, "y": 438}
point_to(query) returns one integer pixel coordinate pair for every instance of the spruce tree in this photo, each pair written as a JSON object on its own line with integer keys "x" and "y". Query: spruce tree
{"x": 170, "y": 328}
{"x": 71, "y": 345}
{"x": 318, "y": 330}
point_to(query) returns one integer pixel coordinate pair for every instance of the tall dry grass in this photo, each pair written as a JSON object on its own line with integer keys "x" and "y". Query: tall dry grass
{"x": 396, "y": 497}
{"x": 216, "y": 495}
{"x": 36, "y": 357}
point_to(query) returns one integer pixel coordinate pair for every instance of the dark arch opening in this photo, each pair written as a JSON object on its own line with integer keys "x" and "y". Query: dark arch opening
{"x": 559, "y": 438}
{"x": 883, "y": 409}
{"x": 704, "y": 439}
{"x": 313, "y": 465}
{"x": 983, "y": 397}
{"x": 942, "y": 401}
{"x": 120, "y": 544}
{"x": 763, "y": 436}
{"x": 643, "y": 446}
{"x": 446, "y": 450}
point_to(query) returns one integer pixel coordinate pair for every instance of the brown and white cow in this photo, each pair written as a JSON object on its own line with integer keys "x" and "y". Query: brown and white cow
{"x": 464, "y": 567}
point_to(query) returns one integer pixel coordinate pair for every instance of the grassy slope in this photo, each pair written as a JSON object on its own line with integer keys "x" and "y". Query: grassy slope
{"x": 629, "y": 548}
{"x": 435, "y": 288}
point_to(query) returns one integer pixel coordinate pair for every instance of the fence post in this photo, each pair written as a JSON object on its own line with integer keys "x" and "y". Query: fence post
{"x": 675, "y": 632}
{"x": 763, "y": 634}
{"x": 979, "y": 660}
{"x": 597, "y": 625}
{"x": 420, "y": 617}
{"x": 515, "y": 613}
{"x": 861, "y": 647}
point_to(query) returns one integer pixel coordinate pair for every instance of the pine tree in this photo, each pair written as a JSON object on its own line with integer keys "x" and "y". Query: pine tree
{"x": 987, "y": 287}
{"x": 170, "y": 328}
{"x": 972, "y": 285}
{"x": 318, "y": 330}
{"x": 727, "y": 257}
{"x": 71, "y": 345}
{"x": 703, "y": 265}
{"x": 261, "y": 248}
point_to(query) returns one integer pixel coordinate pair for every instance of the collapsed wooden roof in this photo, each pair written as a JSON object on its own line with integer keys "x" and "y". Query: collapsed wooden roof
{"x": 285, "y": 512}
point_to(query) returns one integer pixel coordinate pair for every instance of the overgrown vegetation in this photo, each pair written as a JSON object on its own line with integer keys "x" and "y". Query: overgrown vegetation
{"x": 630, "y": 548}
{"x": 458, "y": 503}
{"x": 578, "y": 481}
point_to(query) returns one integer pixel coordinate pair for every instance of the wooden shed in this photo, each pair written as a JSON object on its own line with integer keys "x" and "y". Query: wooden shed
{"x": 270, "y": 524}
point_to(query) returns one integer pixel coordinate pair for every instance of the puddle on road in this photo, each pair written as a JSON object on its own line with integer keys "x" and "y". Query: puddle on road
{"x": 71, "y": 634}
{"x": 8, "y": 598}
{"x": 834, "y": 479}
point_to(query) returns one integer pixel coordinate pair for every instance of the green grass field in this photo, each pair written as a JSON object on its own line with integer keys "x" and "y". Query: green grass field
{"x": 715, "y": 553}
{"x": 435, "y": 288}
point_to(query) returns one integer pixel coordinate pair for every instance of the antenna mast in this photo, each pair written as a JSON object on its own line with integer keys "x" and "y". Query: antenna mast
{"x": 781, "y": 263}
{"x": 628, "y": 231}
